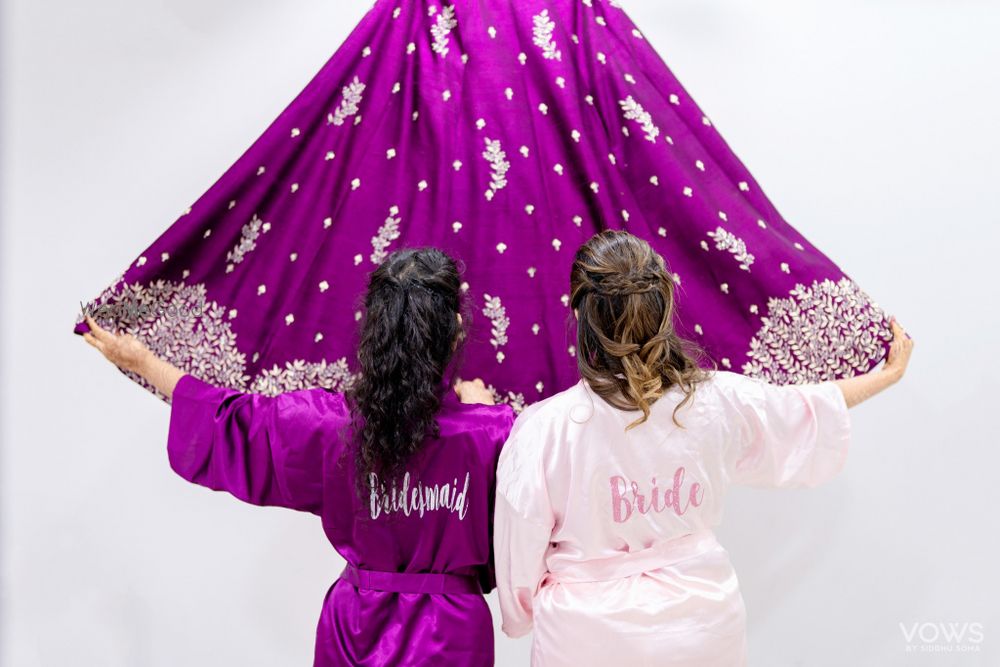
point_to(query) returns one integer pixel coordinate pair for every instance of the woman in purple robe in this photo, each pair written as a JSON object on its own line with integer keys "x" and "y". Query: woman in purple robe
{"x": 401, "y": 469}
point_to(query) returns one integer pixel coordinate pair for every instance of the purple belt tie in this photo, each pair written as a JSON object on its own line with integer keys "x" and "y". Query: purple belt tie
{"x": 429, "y": 583}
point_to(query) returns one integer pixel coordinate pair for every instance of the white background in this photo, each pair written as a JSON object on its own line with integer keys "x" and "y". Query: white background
{"x": 872, "y": 125}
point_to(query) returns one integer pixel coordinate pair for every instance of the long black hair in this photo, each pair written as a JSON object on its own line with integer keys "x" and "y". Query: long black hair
{"x": 411, "y": 333}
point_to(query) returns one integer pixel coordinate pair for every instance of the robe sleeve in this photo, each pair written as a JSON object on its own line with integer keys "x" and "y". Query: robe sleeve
{"x": 783, "y": 436}
{"x": 498, "y": 431}
{"x": 262, "y": 450}
{"x": 523, "y": 524}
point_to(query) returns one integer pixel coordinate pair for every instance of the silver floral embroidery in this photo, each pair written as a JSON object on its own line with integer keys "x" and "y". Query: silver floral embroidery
{"x": 727, "y": 241}
{"x": 387, "y": 233}
{"x": 822, "y": 332}
{"x": 301, "y": 374}
{"x": 514, "y": 400}
{"x": 248, "y": 240}
{"x": 635, "y": 111}
{"x": 543, "y": 36}
{"x": 180, "y": 325}
{"x": 442, "y": 28}
{"x": 350, "y": 104}
{"x": 495, "y": 155}
{"x": 495, "y": 310}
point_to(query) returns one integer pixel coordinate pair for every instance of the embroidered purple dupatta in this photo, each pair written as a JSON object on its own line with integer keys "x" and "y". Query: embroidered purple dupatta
{"x": 506, "y": 132}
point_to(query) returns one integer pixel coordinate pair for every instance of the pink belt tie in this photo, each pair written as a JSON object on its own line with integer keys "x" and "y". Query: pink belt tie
{"x": 631, "y": 563}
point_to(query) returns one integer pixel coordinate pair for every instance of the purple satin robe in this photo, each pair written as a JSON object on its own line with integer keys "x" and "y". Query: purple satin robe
{"x": 294, "y": 451}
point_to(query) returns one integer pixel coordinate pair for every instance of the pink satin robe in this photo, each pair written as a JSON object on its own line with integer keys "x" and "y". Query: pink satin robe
{"x": 603, "y": 538}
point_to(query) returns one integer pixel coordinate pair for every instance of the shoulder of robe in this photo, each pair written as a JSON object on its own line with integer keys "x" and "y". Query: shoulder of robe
{"x": 558, "y": 407}
{"x": 729, "y": 395}
{"x": 488, "y": 426}
{"x": 322, "y": 407}
{"x": 729, "y": 383}
{"x": 541, "y": 419}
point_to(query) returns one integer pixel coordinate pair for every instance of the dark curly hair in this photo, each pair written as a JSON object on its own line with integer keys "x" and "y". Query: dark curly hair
{"x": 410, "y": 335}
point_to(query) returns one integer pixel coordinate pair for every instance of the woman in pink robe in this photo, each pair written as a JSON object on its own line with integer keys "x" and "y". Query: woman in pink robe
{"x": 608, "y": 492}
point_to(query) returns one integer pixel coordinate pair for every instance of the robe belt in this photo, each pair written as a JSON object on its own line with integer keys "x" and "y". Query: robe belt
{"x": 426, "y": 583}
{"x": 631, "y": 563}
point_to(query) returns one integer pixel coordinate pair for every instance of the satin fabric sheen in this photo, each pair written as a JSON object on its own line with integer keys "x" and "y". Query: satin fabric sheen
{"x": 289, "y": 451}
{"x": 600, "y": 581}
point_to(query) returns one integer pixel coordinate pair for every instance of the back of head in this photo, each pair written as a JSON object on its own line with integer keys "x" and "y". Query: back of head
{"x": 411, "y": 332}
{"x": 628, "y": 350}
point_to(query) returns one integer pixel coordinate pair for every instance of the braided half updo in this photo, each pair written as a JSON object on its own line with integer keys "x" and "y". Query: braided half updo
{"x": 628, "y": 350}
{"x": 411, "y": 333}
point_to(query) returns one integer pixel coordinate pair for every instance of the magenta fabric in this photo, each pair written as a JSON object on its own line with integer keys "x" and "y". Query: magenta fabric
{"x": 506, "y": 132}
{"x": 294, "y": 451}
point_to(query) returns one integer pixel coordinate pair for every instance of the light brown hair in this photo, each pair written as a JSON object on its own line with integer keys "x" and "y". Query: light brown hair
{"x": 628, "y": 350}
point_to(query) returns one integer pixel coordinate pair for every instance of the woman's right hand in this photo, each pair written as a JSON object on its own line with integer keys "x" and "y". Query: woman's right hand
{"x": 899, "y": 352}
{"x": 474, "y": 392}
